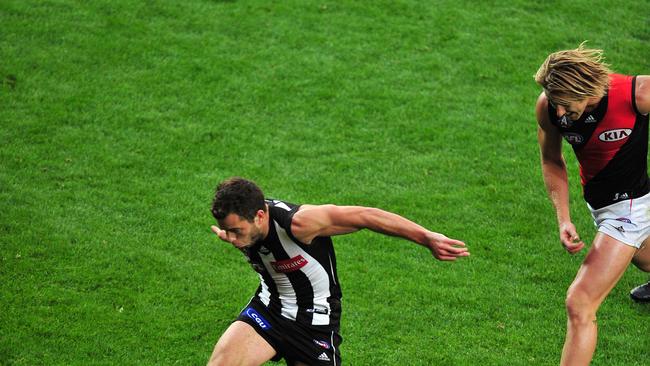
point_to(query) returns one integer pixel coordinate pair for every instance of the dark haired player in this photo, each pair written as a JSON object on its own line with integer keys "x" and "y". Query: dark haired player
{"x": 296, "y": 310}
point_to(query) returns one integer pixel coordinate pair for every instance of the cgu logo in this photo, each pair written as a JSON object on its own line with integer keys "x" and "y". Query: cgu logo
{"x": 615, "y": 135}
{"x": 258, "y": 319}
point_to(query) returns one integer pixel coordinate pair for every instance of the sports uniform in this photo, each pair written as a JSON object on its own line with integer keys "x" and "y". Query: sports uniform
{"x": 611, "y": 144}
{"x": 297, "y": 307}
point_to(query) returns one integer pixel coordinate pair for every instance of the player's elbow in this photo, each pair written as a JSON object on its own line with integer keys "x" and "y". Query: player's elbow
{"x": 553, "y": 161}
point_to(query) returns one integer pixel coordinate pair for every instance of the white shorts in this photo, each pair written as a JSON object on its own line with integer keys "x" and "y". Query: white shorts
{"x": 626, "y": 221}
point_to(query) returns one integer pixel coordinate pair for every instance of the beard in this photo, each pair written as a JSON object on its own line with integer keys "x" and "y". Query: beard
{"x": 256, "y": 236}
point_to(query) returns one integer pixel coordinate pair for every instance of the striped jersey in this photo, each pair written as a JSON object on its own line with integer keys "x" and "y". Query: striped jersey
{"x": 611, "y": 144}
{"x": 297, "y": 281}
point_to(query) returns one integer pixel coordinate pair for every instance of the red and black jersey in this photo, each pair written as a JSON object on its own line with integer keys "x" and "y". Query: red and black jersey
{"x": 611, "y": 144}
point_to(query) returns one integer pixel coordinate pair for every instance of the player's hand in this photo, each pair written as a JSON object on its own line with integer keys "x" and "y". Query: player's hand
{"x": 444, "y": 248}
{"x": 570, "y": 239}
{"x": 223, "y": 234}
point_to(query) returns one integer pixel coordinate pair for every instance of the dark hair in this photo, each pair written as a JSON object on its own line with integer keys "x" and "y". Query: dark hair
{"x": 239, "y": 196}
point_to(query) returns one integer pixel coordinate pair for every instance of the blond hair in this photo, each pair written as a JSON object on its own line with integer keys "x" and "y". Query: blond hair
{"x": 574, "y": 75}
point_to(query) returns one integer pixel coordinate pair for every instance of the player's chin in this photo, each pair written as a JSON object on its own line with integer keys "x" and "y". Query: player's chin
{"x": 242, "y": 245}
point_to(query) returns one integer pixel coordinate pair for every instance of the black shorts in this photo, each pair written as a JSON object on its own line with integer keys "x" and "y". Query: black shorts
{"x": 310, "y": 344}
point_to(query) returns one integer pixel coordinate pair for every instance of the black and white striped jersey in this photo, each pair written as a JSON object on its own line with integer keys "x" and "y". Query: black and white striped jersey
{"x": 297, "y": 281}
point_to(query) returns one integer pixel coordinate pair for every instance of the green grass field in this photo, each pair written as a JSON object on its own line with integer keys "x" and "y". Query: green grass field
{"x": 117, "y": 120}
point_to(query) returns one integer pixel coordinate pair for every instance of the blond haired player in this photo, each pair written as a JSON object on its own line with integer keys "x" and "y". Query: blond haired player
{"x": 604, "y": 117}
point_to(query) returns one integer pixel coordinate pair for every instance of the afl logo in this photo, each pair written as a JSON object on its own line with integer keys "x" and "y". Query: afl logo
{"x": 573, "y": 138}
{"x": 614, "y": 135}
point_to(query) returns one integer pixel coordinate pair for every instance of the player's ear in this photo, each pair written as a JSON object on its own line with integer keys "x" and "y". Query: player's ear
{"x": 260, "y": 215}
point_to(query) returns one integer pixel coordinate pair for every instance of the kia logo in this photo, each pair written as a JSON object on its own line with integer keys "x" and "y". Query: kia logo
{"x": 614, "y": 135}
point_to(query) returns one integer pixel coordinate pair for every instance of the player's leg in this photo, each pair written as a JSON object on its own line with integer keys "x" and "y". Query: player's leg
{"x": 642, "y": 257}
{"x": 642, "y": 261}
{"x": 240, "y": 345}
{"x": 602, "y": 268}
{"x": 313, "y": 345}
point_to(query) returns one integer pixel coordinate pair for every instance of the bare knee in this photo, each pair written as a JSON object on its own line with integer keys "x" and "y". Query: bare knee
{"x": 581, "y": 309}
{"x": 240, "y": 345}
{"x": 221, "y": 356}
{"x": 222, "y": 360}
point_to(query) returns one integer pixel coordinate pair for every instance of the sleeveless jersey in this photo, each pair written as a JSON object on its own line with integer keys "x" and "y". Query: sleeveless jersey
{"x": 297, "y": 281}
{"x": 611, "y": 144}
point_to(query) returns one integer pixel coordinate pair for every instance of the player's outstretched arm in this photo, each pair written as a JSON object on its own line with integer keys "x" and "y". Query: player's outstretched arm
{"x": 329, "y": 220}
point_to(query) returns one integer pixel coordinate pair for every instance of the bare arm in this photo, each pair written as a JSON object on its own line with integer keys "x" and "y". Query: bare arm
{"x": 642, "y": 93}
{"x": 329, "y": 220}
{"x": 555, "y": 175}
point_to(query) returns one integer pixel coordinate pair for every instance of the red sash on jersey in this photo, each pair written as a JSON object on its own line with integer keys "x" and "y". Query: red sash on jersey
{"x": 612, "y": 131}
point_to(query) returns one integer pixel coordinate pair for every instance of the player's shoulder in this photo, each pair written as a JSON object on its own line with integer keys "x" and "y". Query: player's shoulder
{"x": 283, "y": 214}
{"x": 642, "y": 84}
{"x": 642, "y": 93}
{"x": 306, "y": 212}
{"x": 541, "y": 110}
{"x": 309, "y": 213}
{"x": 281, "y": 211}
{"x": 281, "y": 205}
{"x": 542, "y": 101}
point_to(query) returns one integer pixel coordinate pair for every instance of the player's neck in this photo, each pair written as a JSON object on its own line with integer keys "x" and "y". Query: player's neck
{"x": 592, "y": 104}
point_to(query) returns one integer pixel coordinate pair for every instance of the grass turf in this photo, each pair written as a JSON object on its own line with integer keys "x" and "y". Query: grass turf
{"x": 118, "y": 118}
